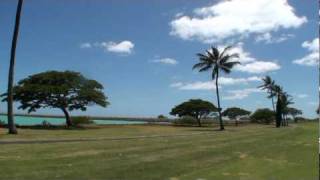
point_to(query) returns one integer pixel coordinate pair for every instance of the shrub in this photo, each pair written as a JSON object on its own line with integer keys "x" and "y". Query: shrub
{"x": 2, "y": 123}
{"x": 46, "y": 123}
{"x": 81, "y": 120}
{"x": 161, "y": 116}
{"x": 185, "y": 120}
{"x": 265, "y": 116}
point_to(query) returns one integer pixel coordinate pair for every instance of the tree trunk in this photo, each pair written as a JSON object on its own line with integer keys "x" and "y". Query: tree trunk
{"x": 218, "y": 98}
{"x": 278, "y": 113}
{"x": 68, "y": 119}
{"x": 11, "y": 125}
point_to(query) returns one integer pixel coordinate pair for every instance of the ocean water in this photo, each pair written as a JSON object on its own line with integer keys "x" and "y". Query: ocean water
{"x": 27, "y": 120}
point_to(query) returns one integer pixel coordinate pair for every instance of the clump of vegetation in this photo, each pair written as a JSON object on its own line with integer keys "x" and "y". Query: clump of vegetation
{"x": 265, "y": 116}
{"x": 195, "y": 108}
{"x": 78, "y": 120}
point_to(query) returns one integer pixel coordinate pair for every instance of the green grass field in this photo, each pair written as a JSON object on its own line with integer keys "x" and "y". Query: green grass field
{"x": 248, "y": 152}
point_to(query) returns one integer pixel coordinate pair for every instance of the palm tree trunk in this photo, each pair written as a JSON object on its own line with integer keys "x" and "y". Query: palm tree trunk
{"x": 11, "y": 125}
{"x": 218, "y": 98}
{"x": 68, "y": 119}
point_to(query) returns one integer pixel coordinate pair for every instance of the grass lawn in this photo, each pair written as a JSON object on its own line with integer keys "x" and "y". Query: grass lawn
{"x": 249, "y": 152}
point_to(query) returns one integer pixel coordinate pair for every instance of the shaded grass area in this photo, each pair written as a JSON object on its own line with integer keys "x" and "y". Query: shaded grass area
{"x": 246, "y": 152}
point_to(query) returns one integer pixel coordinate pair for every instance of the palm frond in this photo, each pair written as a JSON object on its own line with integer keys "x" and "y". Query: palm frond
{"x": 199, "y": 65}
{"x": 224, "y": 51}
{"x": 206, "y": 68}
{"x": 215, "y": 52}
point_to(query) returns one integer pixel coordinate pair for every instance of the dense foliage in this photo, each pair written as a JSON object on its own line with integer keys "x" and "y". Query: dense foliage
{"x": 66, "y": 90}
{"x": 195, "y": 108}
{"x": 234, "y": 113}
{"x": 78, "y": 120}
{"x": 265, "y": 116}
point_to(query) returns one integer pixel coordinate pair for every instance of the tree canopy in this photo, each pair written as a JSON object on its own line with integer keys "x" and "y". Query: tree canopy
{"x": 66, "y": 90}
{"x": 196, "y": 108}
{"x": 265, "y": 116}
{"x": 235, "y": 112}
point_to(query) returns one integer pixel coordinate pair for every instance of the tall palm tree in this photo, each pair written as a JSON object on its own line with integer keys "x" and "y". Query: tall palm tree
{"x": 279, "y": 93}
{"x": 215, "y": 61}
{"x": 268, "y": 84}
{"x": 11, "y": 124}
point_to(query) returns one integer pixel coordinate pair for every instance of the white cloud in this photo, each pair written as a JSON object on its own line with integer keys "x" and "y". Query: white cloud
{"x": 311, "y": 59}
{"x": 230, "y": 18}
{"x": 169, "y": 61}
{"x": 258, "y": 67}
{"x": 241, "y": 93}
{"x": 209, "y": 85}
{"x": 85, "y": 45}
{"x": 269, "y": 39}
{"x": 123, "y": 47}
{"x": 250, "y": 64}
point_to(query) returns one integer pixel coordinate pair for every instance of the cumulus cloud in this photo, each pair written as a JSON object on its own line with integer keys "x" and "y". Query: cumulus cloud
{"x": 241, "y": 93}
{"x": 232, "y": 18}
{"x": 249, "y": 63}
{"x": 169, "y": 61}
{"x": 123, "y": 47}
{"x": 209, "y": 85}
{"x": 258, "y": 67}
{"x": 311, "y": 59}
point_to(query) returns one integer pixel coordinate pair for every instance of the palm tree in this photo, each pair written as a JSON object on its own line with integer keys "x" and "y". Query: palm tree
{"x": 268, "y": 84}
{"x": 216, "y": 61}
{"x": 278, "y": 91}
{"x": 286, "y": 100}
{"x": 11, "y": 124}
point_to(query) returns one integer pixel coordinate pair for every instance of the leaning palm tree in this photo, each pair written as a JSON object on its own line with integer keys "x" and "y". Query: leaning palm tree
{"x": 268, "y": 85}
{"x": 11, "y": 124}
{"x": 215, "y": 61}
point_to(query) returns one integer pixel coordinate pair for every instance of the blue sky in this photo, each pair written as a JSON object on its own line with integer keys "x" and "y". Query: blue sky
{"x": 143, "y": 51}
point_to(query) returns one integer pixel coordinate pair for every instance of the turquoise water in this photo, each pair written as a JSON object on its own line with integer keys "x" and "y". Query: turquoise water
{"x": 27, "y": 120}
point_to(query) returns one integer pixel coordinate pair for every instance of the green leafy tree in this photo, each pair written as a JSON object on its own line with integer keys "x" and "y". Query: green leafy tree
{"x": 234, "y": 113}
{"x": 215, "y": 61}
{"x": 265, "y": 116}
{"x": 195, "y": 108}
{"x": 66, "y": 90}
{"x": 269, "y": 85}
{"x": 11, "y": 125}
